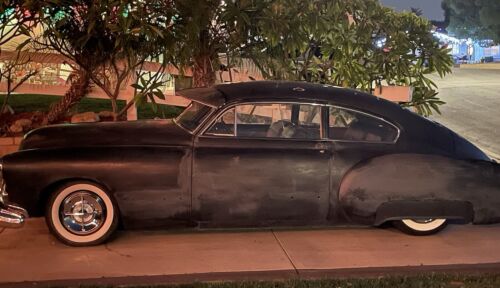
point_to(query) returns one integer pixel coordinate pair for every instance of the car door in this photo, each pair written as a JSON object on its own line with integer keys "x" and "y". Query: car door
{"x": 262, "y": 164}
{"x": 356, "y": 137}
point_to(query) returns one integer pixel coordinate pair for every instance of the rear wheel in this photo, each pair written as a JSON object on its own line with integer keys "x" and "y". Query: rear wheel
{"x": 420, "y": 227}
{"x": 81, "y": 214}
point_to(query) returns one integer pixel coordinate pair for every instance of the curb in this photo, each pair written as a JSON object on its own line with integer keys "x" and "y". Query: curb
{"x": 274, "y": 275}
{"x": 481, "y": 66}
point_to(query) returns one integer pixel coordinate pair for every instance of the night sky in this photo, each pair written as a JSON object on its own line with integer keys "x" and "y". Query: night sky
{"x": 432, "y": 8}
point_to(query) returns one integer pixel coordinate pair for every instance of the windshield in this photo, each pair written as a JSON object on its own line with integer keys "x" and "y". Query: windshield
{"x": 193, "y": 116}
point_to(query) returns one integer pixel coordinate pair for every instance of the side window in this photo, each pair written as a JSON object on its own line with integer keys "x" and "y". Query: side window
{"x": 224, "y": 126}
{"x": 295, "y": 121}
{"x": 310, "y": 115}
{"x": 347, "y": 125}
{"x": 264, "y": 121}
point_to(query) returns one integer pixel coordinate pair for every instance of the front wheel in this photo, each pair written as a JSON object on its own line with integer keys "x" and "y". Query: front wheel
{"x": 420, "y": 227}
{"x": 81, "y": 214}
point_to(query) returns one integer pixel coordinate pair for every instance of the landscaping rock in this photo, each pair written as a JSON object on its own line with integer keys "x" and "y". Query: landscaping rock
{"x": 86, "y": 117}
{"x": 106, "y": 115}
{"x": 37, "y": 117}
{"x": 20, "y": 126}
{"x": 15, "y": 129}
{"x": 25, "y": 123}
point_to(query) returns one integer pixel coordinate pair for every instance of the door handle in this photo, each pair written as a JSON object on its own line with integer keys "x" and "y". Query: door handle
{"x": 322, "y": 148}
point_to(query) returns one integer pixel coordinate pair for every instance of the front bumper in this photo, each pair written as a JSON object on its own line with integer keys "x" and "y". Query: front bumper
{"x": 12, "y": 216}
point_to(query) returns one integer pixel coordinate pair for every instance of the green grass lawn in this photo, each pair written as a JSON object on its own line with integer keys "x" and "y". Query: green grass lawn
{"x": 423, "y": 281}
{"x": 30, "y": 103}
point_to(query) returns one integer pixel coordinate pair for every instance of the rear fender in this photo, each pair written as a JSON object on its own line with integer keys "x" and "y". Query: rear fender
{"x": 430, "y": 185}
{"x": 436, "y": 209}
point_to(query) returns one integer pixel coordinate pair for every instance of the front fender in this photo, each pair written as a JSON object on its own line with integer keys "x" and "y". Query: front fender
{"x": 148, "y": 182}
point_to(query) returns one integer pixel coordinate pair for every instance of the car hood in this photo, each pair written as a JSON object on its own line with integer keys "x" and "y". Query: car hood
{"x": 133, "y": 133}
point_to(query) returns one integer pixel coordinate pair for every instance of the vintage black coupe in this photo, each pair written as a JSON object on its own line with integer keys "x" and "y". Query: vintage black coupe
{"x": 258, "y": 154}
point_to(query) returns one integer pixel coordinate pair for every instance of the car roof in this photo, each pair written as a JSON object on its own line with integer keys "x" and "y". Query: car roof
{"x": 258, "y": 91}
{"x": 208, "y": 96}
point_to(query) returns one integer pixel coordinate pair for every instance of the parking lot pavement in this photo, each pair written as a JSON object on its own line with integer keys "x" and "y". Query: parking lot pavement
{"x": 32, "y": 254}
{"x": 472, "y": 99}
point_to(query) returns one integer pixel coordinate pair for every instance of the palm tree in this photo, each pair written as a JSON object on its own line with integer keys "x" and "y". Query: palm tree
{"x": 417, "y": 11}
{"x": 207, "y": 29}
{"x": 104, "y": 41}
{"x": 80, "y": 85}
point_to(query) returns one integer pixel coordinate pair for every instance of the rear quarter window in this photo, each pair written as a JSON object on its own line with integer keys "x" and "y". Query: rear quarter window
{"x": 349, "y": 125}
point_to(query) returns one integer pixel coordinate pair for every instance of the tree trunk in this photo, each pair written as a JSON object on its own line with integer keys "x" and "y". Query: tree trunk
{"x": 114, "y": 106}
{"x": 7, "y": 96}
{"x": 4, "y": 104}
{"x": 78, "y": 89}
{"x": 203, "y": 72}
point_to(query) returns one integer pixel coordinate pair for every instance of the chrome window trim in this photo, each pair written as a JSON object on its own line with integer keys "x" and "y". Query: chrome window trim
{"x": 322, "y": 136}
{"x": 3, "y": 190}
{"x": 396, "y": 139}
{"x": 235, "y": 133}
{"x": 182, "y": 127}
{"x": 216, "y": 119}
{"x": 207, "y": 117}
{"x": 194, "y": 132}
{"x": 233, "y": 105}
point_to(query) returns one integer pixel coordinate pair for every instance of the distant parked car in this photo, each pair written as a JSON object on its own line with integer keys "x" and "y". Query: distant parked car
{"x": 255, "y": 154}
{"x": 461, "y": 59}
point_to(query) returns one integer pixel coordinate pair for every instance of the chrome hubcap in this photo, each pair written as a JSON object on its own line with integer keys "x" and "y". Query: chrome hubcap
{"x": 82, "y": 213}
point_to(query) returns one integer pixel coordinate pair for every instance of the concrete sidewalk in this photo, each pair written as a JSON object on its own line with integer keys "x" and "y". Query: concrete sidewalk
{"x": 32, "y": 255}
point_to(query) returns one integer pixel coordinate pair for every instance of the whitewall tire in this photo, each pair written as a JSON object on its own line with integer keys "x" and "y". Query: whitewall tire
{"x": 421, "y": 227}
{"x": 81, "y": 214}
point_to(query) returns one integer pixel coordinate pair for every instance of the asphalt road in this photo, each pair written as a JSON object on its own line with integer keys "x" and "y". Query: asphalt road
{"x": 473, "y": 106}
{"x": 32, "y": 254}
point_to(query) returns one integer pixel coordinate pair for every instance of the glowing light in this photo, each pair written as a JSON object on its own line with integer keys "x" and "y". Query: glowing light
{"x": 380, "y": 42}
{"x": 447, "y": 38}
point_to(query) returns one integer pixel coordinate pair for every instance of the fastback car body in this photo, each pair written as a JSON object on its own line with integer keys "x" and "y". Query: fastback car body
{"x": 252, "y": 155}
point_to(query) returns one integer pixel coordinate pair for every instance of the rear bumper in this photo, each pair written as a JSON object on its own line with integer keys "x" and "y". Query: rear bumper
{"x": 12, "y": 216}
